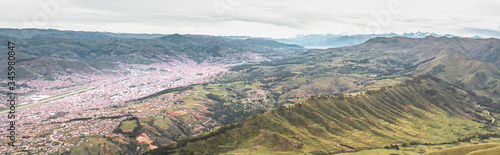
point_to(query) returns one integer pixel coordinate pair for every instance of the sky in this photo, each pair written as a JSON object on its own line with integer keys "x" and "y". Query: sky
{"x": 258, "y": 18}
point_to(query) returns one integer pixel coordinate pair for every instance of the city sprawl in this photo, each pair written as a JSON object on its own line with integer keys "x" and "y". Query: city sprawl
{"x": 60, "y": 117}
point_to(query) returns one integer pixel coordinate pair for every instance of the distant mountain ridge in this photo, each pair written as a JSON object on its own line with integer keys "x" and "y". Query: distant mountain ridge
{"x": 308, "y": 41}
{"x": 484, "y": 50}
{"x": 333, "y": 40}
{"x": 470, "y": 63}
{"x": 53, "y": 33}
{"x": 49, "y": 52}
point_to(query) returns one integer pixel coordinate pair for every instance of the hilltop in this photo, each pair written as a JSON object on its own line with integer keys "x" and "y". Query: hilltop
{"x": 484, "y": 50}
{"x": 340, "y": 40}
{"x": 420, "y": 110}
{"x": 469, "y": 63}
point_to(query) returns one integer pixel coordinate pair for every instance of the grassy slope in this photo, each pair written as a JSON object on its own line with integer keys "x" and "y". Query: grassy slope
{"x": 96, "y": 145}
{"x": 470, "y": 63}
{"x": 469, "y": 150}
{"x": 421, "y": 110}
{"x": 128, "y": 125}
{"x": 483, "y": 78}
{"x": 490, "y": 151}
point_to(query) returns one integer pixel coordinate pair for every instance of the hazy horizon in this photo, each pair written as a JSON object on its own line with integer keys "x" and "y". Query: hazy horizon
{"x": 295, "y": 36}
{"x": 273, "y": 19}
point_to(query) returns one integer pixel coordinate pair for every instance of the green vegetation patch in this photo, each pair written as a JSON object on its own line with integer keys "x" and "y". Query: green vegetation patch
{"x": 128, "y": 126}
{"x": 467, "y": 149}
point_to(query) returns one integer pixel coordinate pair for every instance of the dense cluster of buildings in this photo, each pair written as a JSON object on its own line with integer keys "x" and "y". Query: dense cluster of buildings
{"x": 53, "y": 126}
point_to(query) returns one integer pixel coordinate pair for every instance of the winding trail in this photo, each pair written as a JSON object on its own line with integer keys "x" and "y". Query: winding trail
{"x": 489, "y": 114}
{"x": 492, "y": 118}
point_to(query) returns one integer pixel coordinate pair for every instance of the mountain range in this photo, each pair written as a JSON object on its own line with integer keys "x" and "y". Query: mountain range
{"x": 339, "y": 40}
{"x": 39, "y": 57}
{"x": 376, "y": 92}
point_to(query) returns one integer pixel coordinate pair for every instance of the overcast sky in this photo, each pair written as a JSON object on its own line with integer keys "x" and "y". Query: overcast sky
{"x": 260, "y": 18}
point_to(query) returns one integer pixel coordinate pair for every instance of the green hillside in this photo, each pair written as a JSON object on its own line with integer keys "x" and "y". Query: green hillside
{"x": 483, "y": 78}
{"x": 490, "y": 151}
{"x": 417, "y": 111}
{"x": 481, "y": 149}
{"x": 484, "y": 50}
{"x": 469, "y": 63}
{"x": 252, "y": 88}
